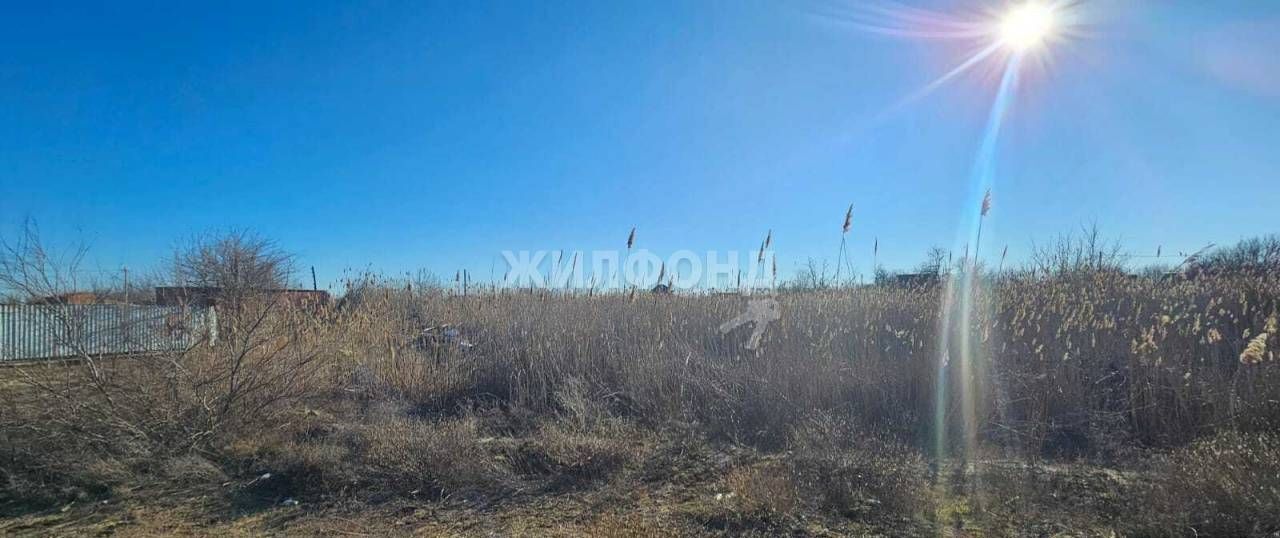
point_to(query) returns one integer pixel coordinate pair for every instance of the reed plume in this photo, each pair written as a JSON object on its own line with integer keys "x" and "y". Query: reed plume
{"x": 1256, "y": 351}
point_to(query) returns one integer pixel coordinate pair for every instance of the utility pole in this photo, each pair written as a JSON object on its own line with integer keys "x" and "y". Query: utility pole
{"x": 125, "y": 269}
{"x": 313, "y": 279}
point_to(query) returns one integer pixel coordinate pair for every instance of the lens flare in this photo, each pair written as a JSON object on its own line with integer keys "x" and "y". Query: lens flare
{"x": 1004, "y": 47}
{"x": 1026, "y": 26}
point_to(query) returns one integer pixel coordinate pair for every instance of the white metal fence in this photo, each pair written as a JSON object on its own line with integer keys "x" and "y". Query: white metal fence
{"x": 57, "y": 331}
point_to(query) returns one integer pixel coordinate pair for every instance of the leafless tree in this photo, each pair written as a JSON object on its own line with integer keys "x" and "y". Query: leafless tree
{"x": 935, "y": 260}
{"x": 236, "y": 262}
{"x": 1258, "y": 255}
{"x": 1073, "y": 254}
{"x": 267, "y": 346}
{"x": 28, "y": 271}
{"x": 812, "y": 276}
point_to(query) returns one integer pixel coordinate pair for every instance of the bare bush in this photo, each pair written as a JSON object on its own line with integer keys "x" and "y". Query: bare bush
{"x": 141, "y": 406}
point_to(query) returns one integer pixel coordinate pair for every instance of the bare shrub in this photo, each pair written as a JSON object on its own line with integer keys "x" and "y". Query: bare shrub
{"x": 140, "y": 407}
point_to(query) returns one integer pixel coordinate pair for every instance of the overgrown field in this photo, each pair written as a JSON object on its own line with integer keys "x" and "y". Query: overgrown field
{"x": 1081, "y": 405}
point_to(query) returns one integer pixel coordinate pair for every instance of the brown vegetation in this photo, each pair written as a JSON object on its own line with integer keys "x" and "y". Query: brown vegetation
{"x": 1157, "y": 393}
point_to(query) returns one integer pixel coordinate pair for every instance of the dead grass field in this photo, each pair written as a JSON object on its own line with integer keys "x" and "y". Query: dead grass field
{"x": 1105, "y": 405}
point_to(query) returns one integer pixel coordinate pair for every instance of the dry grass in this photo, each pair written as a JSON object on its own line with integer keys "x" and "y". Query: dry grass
{"x": 1227, "y": 485}
{"x": 764, "y": 490}
{"x": 858, "y": 472}
{"x": 1095, "y": 360}
{"x": 557, "y": 394}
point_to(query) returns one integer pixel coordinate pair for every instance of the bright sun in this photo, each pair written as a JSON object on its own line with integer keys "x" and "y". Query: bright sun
{"x": 1026, "y": 26}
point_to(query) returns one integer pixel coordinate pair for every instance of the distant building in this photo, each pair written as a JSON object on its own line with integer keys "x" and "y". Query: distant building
{"x": 210, "y": 295}
{"x": 917, "y": 279}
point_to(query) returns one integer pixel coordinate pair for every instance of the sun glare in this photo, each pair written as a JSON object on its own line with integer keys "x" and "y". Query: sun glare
{"x": 1026, "y": 26}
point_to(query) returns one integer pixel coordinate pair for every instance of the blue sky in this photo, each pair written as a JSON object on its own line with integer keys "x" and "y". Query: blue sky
{"x": 399, "y": 136}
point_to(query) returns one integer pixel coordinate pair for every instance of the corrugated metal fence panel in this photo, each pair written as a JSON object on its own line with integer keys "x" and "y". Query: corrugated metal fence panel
{"x": 53, "y": 331}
